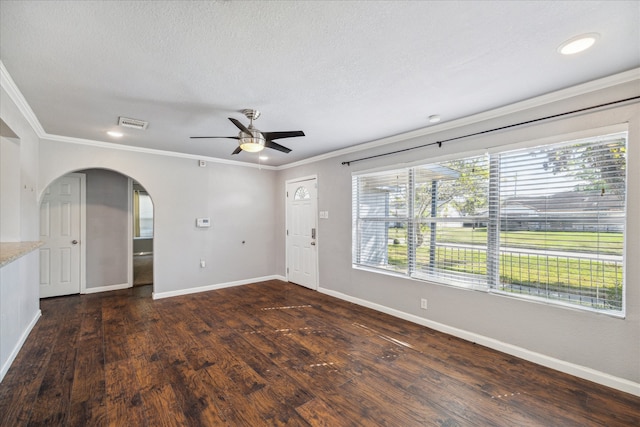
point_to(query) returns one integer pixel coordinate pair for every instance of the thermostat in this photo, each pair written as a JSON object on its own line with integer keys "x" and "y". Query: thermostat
{"x": 202, "y": 222}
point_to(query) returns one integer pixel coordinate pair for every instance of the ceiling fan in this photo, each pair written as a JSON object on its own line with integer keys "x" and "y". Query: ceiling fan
{"x": 252, "y": 140}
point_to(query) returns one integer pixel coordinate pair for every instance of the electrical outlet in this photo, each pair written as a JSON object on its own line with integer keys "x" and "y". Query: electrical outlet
{"x": 203, "y": 264}
{"x": 423, "y": 303}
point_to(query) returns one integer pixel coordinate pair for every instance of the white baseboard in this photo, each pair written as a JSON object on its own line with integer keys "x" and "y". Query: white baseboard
{"x": 538, "y": 358}
{"x": 106, "y": 288}
{"x": 159, "y": 295}
{"x": 19, "y": 344}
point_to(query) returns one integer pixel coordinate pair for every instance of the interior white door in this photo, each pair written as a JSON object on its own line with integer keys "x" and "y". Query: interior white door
{"x": 302, "y": 250}
{"x": 60, "y": 228}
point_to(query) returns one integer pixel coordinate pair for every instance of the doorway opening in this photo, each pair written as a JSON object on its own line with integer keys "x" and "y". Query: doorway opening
{"x": 142, "y": 236}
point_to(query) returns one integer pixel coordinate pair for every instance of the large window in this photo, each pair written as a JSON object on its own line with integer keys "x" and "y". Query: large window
{"x": 543, "y": 223}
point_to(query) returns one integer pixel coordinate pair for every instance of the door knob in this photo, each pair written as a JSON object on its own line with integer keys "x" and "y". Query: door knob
{"x": 313, "y": 243}
{"x": 74, "y": 242}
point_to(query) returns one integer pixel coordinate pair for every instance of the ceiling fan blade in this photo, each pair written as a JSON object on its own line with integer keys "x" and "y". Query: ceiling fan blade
{"x": 271, "y": 144}
{"x": 278, "y": 135}
{"x": 228, "y": 137}
{"x": 237, "y": 150}
{"x": 240, "y": 126}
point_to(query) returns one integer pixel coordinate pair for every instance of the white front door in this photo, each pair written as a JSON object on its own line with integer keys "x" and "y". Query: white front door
{"x": 60, "y": 230}
{"x": 302, "y": 250}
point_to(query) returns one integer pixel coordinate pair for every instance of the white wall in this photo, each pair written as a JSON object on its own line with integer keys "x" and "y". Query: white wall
{"x": 239, "y": 200}
{"x": 19, "y": 287}
{"x": 591, "y": 345}
{"x": 9, "y": 189}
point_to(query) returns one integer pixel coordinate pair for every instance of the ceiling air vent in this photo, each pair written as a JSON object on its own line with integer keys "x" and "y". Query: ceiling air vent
{"x": 132, "y": 123}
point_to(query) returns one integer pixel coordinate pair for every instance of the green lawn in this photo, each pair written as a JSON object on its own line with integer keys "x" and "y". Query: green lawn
{"x": 572, "y": 241}
{"x": 553, "y": 273}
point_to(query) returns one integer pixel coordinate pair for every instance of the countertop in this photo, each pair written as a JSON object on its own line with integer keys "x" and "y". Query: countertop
{"x": 11, "y": 251}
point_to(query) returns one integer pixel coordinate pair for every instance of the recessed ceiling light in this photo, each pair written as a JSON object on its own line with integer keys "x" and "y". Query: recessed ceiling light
{"x": 434, "y": 118}
{"x": 578, "y": 44}
{"x": 115, "y": 134}
{"x": 264, "y": 157}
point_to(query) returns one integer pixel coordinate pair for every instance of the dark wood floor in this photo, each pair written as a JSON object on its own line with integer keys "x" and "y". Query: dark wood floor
{"x": 142, "y": 270}
{"x": 274, "y": 353}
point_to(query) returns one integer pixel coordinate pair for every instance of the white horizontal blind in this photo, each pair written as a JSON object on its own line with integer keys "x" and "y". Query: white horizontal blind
{"x": 380, "y": 209}
{"x": 562, "y": 211}
{"x": 544, "y": 223}
{"x": 451, "y": 213}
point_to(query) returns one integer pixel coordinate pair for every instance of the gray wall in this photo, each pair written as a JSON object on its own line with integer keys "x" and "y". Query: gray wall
{"x": 575, "y": 338}
{"x": 240, "y": 201}
{"x": 107, "y": 213}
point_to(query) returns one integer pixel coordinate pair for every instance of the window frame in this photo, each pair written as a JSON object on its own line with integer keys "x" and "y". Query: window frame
{"x": 493, "y": 285}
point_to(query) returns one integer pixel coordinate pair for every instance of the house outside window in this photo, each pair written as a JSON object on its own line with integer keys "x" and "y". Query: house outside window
{"x": 544, "y": 223}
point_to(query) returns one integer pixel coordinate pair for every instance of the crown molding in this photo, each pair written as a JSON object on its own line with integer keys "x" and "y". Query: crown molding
{"x": 134, "y": 149}
{"x": 538, "y": 101}
{"x": 7, "y": 83}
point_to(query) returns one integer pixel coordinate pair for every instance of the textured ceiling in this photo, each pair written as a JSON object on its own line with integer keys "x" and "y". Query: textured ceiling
{"x": 344, "y": 72}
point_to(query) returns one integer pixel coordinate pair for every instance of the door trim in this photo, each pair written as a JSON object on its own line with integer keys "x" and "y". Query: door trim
{"x": 130, "y": 233}
{"x": 286, "y": 223}
{"x": 83, "y": 231}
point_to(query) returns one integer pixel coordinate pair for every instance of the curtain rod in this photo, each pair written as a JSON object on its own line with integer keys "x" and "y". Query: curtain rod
{"x": 439, "y": 143}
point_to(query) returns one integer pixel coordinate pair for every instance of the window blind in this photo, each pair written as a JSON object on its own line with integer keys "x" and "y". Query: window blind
{"x": 544, "y": 222}
{"x": 562, "y": 211}
{"x": 450, "y": 220}
{"x": 380, "y": 211}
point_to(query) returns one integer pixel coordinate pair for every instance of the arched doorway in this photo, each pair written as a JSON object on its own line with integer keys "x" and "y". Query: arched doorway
{"x": 106, "y": 248}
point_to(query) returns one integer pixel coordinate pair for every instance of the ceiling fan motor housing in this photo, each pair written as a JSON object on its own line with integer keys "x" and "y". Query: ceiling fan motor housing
{"x": 251, "y": 114}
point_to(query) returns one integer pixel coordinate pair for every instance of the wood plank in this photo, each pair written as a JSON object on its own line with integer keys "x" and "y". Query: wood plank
{"x": 124, "y": 400}
{"x": 272, "y": 410}
{"x": 115, "y": 333}
{"x": 285, "y": 387}
{"x": 192, "y": 392}
{"x": 161, "y": 407}
{"x": 19, "y": 388}
{"x": 318, "y": 413}
{"x": 54, "y": 396}
{"x": 88, "y": 404}
{"x": 91, "y": 319}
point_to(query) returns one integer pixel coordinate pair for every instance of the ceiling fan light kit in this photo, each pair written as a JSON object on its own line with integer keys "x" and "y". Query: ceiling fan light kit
{"x": 252, "y": 140}
{"x": 251, "y": 144}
